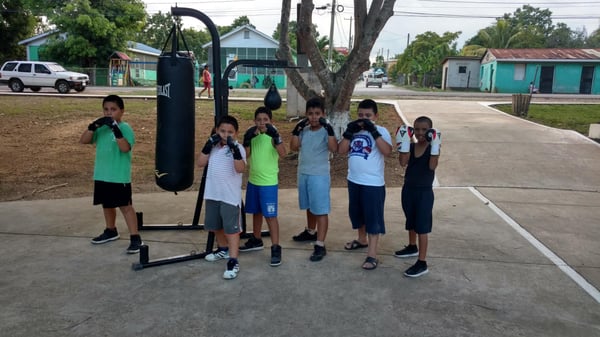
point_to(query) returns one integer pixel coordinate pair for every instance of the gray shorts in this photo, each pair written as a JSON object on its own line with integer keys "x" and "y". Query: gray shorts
{"x": 221, "y": 215}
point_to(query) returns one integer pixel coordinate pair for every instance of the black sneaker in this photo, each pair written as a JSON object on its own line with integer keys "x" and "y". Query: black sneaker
{"x": 418, "y": 269}
{"x": 407, "y": 251}
{"x": 318, "y": 254}
{"x": 275, "y": 255}
{"x": 305, "y": 236}
{"x": 106, "y": 236}
{"x": 252, "y": 244}
{"x": 233, "y": 268}
{"x": 134, "y": 246}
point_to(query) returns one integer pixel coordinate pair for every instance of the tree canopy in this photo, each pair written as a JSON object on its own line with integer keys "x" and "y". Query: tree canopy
{"x": 17, "y": 23}
{"x": 91, "y": 30}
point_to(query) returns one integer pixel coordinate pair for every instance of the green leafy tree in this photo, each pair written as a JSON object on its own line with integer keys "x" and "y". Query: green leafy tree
{"x": 564, "y": 37}
{"x": 195, "y": 40}
{"x": 16, "y": 23}
{"x": 157, "y": 28}
{"x": 238, "y": 22}
{"x": 93, "y": 30}
{"x": 593, "y": 41}
{"x": 422, "y": 58}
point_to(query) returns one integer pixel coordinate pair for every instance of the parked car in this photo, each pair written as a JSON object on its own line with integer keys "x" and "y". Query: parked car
{"x": 373, "y": 80}
{"x": 36, "y": 75}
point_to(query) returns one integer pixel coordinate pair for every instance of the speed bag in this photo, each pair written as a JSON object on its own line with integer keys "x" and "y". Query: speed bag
{"x": 175, "y": 124}
{"x": 272, "y": 98}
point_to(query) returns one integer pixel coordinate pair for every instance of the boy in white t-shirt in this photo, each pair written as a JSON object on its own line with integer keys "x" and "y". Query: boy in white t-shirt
{"x": 223, "y": 192}
{"x": 366, "y": 144}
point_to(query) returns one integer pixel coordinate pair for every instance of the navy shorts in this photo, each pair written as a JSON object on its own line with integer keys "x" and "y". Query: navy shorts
{"x": 112, "y": 195}
{"x": 417, "y": 204}
{"x": 365, "y": 207}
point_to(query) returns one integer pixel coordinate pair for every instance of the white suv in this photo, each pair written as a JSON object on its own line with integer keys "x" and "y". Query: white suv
{"x": 35, "y": 75}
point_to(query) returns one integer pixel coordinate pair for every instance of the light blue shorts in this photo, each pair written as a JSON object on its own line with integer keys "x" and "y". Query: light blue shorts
{"x": 261, "y": 199}
{"x": 313, "y": 193}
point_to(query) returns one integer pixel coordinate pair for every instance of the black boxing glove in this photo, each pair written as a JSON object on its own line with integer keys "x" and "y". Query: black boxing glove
{"x": 352, "y": 128}
{"x": 369, "y": 126}
{"x": 327, "y": 126}
{"x": 115, "y": 129}
{"x": 235, "y": 150}
{"x": 99, "y": 122}
{"x": 250, "y": 133}
{"x": 273, "y": 133}
{"x": 212, "y": 141}
{"x": 299, "y": 127}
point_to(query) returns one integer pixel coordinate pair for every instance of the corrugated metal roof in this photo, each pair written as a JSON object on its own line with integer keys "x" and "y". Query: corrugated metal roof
{"x": 545, "y": 54}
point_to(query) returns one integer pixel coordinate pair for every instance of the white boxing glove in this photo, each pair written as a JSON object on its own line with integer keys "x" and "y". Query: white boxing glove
{"x": 403, "y": 136}
{"x": 434, "y": 137}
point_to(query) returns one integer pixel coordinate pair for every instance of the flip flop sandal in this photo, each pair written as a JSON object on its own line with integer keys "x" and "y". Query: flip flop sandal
{"x": 371, "y": 260}
{"x": 354, "y": 244}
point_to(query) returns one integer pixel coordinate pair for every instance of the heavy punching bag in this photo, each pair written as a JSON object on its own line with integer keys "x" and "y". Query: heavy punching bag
{"x": 175, "y": 125}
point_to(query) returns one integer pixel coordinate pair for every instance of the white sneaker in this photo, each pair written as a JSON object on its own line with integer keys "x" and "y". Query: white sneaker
{"x": 217, "y": 255}
{"x": 233, "y": 268}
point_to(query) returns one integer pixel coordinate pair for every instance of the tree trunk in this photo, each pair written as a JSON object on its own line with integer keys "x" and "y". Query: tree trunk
{"x": 337, "y": 86}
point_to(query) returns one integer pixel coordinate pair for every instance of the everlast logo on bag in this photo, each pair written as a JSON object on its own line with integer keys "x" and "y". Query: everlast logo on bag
{"x": 164, "y": 90}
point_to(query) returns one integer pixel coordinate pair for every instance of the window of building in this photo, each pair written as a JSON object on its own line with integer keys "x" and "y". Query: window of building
{"x": 246, "y": 34}
{"x": 519, "y": 72}
{"x": 462, "y": 69}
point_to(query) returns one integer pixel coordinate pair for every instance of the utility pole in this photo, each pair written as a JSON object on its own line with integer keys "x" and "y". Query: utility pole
{"x": 333, "y": 8}
{"x": 350, "y": 35}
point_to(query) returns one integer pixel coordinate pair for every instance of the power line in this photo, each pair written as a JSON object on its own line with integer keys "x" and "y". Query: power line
{"x": 515, "y": 3}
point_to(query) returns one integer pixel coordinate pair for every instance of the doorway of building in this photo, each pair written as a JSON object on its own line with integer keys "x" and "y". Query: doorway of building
{"x": 587, "y": 77}
{"x": 546, "y": 79}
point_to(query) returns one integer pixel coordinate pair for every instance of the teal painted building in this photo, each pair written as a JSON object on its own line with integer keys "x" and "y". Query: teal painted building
{"x": 552, "y": 71}
{"x": 247, "y": 43}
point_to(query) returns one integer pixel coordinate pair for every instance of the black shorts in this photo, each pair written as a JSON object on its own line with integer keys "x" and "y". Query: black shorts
{"x": 417, "y": 204}
{"x": 112, "y": 195}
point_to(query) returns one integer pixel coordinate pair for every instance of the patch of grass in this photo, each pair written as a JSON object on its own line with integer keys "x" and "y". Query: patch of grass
{"x": 576, "y": 117}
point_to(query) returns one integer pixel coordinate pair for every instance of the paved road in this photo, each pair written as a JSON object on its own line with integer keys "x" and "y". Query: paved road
{"x": 514, "y": 252}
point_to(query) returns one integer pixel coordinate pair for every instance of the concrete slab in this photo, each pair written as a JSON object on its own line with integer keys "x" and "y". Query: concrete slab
{"x": 485, "y": 279}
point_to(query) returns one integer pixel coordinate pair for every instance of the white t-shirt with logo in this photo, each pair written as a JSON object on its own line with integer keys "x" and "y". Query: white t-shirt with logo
{"x": 366, "y": 164}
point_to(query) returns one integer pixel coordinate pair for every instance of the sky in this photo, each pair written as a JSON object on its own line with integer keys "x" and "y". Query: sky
{"x": 411, "y": 17}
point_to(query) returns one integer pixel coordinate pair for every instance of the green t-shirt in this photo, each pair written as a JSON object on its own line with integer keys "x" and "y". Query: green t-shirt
{"x": 111, "y": 164}
{"x": 264, "y": 161}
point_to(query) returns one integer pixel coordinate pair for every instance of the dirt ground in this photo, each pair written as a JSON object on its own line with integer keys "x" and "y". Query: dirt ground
{"x": 42, "y": 157}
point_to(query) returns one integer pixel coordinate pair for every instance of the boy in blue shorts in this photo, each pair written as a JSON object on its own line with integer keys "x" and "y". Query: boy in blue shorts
{"x": 314, "y": 138}
{"x": 114, "y": 141}
{"x": 421, "y": 160}
{"x": 366, "y": 144}
{"x": 223, "y": 192}
{"x": 263, "y": 146}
